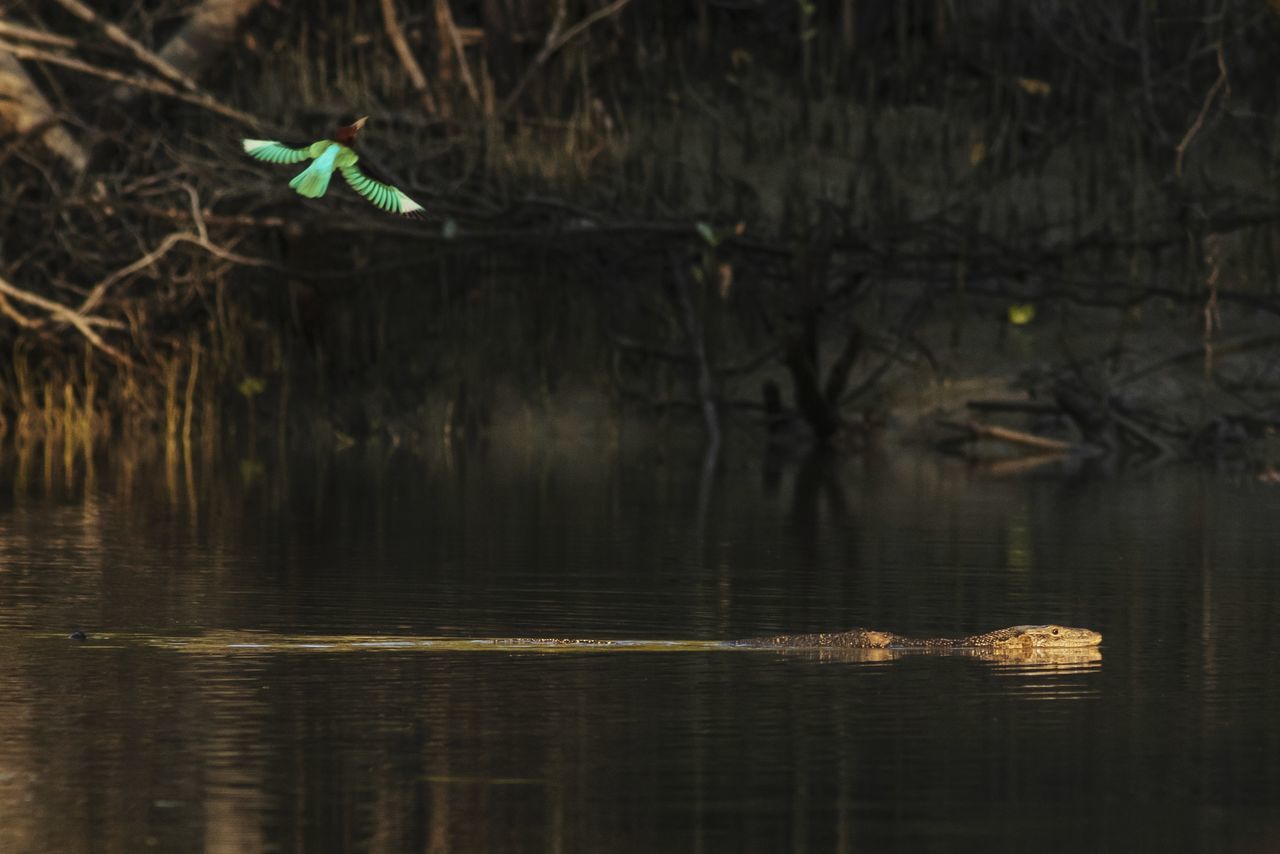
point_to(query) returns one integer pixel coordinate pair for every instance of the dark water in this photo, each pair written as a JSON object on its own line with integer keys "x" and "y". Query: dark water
{"x": 1171, "y": 741}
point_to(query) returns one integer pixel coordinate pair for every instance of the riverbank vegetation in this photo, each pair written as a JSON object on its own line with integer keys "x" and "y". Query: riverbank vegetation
{"x": 1046, "y": 224}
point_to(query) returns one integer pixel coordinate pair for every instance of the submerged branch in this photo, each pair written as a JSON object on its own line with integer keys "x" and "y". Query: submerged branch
{"x": 1004, "y": 434}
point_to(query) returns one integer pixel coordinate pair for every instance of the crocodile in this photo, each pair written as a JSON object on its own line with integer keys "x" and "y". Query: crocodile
{"x": 1012, "y": 639}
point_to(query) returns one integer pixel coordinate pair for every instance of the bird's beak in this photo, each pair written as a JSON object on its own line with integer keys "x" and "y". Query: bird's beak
{"x": 359, "y": 123}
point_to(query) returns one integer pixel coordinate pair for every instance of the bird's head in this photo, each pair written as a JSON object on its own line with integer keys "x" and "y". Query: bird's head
{"x": 347, "y": 133}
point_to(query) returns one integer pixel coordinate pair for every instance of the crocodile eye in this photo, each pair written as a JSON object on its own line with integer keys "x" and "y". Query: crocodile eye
{"x": 1055, "y": 631}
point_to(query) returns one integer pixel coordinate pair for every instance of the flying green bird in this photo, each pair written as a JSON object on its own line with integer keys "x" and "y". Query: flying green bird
{"x": 326, "y": 155}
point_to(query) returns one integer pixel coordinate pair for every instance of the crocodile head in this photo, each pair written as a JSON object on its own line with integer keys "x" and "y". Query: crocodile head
{"x": 1048, "y": 636}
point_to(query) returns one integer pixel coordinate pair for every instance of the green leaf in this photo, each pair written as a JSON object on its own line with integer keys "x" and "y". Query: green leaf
{"x": 251, "y": 471}
{"x": 1020, "y": 314}
{"x": 708, "y": 234}
{"x": 251, "y": 387}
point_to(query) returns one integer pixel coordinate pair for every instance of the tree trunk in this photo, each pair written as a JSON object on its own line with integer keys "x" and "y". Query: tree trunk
{"x": 201, "y": 40}
{"x": 23, "y": 110}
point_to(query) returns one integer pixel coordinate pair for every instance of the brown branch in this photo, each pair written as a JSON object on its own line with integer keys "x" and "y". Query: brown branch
{"x": 189, "y": 401}
{"x": 240, "y": 220}
{"x": 16, "y": 316}
{"x": 411, "y": 67}
{"x": 99, "y": 291}
{"x": 199, "y": 99}
{"x": 197, "y": 213}
{"x": 598, "y": 15}
{"x": 124, "y": 40}
{"x": 1218, "y": 85}
{"x": 1020, "y": 465}
{"x": 208, "y": 31}
{"x": 26, "y": 135}
{"x": 1005, "y": 434}
{"x": 17, "y": 31}
{"x": 544, "y": 53}
{"x": 23, "y": 109}
{"x": 557, "y": 37}
{"x": 444, "y": 18}
{"x": 69, "y": 315}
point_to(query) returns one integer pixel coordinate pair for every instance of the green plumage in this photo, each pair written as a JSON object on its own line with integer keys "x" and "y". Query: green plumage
{"x": 326, "y": 156}
{"x": 314, "y": 180}
{"x": 274, "y": 152}
{"x": 386, "y": 197}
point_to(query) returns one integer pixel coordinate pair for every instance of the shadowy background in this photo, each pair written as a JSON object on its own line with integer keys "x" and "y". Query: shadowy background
{"x": 809, "y": 218}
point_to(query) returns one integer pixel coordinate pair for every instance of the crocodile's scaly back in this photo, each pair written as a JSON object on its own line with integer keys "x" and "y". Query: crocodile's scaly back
{"x": 1014, "y": 637}
{"x": 1017, "y": 640}
{"x": 852, "y": 639}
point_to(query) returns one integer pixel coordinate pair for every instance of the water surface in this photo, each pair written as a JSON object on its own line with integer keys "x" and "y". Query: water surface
{"x": 129, "y": 742}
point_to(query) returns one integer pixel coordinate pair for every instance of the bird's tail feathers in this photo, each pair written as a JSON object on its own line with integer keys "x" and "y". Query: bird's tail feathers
{"x": 314, "y": 180}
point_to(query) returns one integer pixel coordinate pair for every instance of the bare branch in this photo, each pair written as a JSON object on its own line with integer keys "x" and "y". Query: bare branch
{"x": 69, "y": 315}
{"x": 199, "y": 99}
{"x": 99, "y": 291}
{"x": 16, "y": 316}
{"x": 598, "y": 15}
{"x": 1218, "y": 85}
{"x": 24, "y": 110}
{"x": 411, "y": 67}
{"x": 444, "y": 17}
{"x": 17, "y": 31}
{"x": 209, "y": 30}
{"x": 124, "y": 40}
{"x": 197, "y": 215}
{"x": 558, "y": 37}
{"x": 1004, "y": 434}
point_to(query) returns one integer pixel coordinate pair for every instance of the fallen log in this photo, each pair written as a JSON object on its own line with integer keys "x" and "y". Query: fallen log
{"x": 979, "y": 430}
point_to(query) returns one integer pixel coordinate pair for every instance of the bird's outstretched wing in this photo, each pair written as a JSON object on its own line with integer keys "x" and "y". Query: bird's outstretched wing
{"x": 385, "y": 196}
{"x": 275, "y": 152}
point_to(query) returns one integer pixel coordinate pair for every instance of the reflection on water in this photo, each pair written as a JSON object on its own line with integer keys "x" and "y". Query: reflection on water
{"x": 274, "y": 659}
